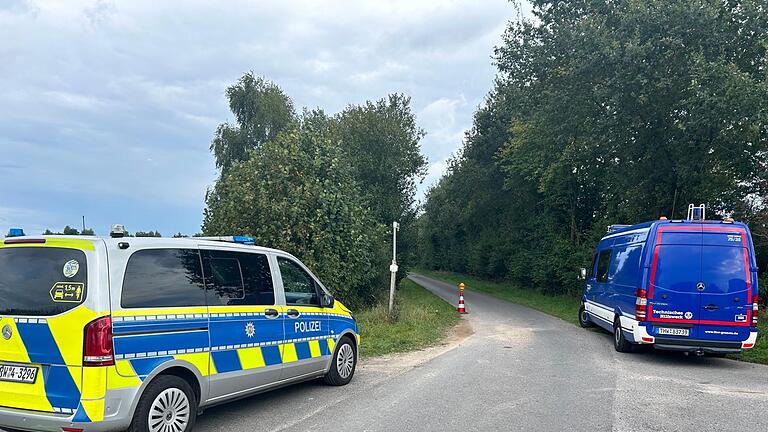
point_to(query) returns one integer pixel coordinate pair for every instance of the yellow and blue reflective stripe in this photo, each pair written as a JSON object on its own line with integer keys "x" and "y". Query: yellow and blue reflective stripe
{"x": 144, "y": 366}
{"x": 226, "y": 361}
{"x": 61, "y": 390}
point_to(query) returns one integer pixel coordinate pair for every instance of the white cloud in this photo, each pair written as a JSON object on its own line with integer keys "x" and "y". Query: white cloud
{"x": 91, "y": 89}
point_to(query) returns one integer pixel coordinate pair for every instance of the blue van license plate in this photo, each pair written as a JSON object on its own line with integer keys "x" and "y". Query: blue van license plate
{"x": 673, "y": 331}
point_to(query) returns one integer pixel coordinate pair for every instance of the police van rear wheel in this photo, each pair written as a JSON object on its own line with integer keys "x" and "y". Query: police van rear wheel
{"x": 168, "y": 404}
{"x": 584, "y": 320}
{"x": 343, "y": 363}
{"x": 619, "y": 341}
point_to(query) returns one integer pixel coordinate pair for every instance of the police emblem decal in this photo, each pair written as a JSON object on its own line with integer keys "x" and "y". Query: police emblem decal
{"x": 71, "y": 268}
{"x": 7, "y": 332}
{"x": 250, "y": 330}
{"x": 688, "y": 315}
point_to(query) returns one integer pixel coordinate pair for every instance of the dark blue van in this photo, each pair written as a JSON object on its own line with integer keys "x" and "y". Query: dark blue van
{"x": 685, "y": 285}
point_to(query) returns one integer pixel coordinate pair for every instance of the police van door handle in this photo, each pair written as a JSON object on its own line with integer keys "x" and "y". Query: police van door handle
{"x": 271, "y": 313}
{"x": 292, "y": 313}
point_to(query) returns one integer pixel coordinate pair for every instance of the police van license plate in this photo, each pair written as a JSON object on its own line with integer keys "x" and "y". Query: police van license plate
{"x": 22, "y": 374}
{"x": 673, "y": 331}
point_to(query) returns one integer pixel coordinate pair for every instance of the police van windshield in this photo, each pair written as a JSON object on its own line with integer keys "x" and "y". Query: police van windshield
{"x": 41, "y": 281}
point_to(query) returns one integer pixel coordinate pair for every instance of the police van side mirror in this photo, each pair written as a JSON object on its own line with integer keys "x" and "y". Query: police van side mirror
{"x": 583, "y": 273}
{"x": 326, "y": 301}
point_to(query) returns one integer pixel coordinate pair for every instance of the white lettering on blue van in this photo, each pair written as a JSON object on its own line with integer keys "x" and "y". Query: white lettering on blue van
{"x": 740, "y": 318}
{"x": 734, "y": 238}
{"x": 673, "y": 314}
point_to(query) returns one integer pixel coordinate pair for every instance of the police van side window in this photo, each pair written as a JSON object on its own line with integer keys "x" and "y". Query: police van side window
{"x": 163, "y": 278}
{"x": 603, "y": 264}
{"x": 300, "y": 288}
{"x": 238, "y": 278}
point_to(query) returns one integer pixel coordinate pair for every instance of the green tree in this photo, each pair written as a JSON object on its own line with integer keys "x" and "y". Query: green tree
{"x": 147, "y": 234}
{"x": 605, "y": 112}
{"x": 298, "y": 192}
{"x": 381, "y": 141}
{"x": 261, "y": 111}
{"x": 68, "y": 230}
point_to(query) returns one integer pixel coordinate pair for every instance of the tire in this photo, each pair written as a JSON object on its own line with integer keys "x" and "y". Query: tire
{"x": 343, "y": 363}
{"x": 621, "y": 344}
{"x": 171, "y": 391}
{"x": 584, "y": 320}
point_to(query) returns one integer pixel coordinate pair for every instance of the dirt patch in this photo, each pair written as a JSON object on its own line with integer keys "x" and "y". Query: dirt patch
{"x": 401, "y": 362}
{"x": 510, "y": 335}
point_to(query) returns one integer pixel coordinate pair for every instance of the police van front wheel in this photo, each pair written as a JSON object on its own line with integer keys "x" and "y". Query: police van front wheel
{"x": 584, "y": 320}
{"x": 343, "y": 363}
{"x": 168, "y": 404}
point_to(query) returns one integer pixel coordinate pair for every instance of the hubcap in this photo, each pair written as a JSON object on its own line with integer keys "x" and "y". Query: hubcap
{"x": 169, "y": 412}
{"x": 345, "y": 361}
{"x": 617, "y": 335}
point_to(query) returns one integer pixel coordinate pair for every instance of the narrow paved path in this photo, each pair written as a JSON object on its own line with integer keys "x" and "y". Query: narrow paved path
{"x": 521, "y": 370}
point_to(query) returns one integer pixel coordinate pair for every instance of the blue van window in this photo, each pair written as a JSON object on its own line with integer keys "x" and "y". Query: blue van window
{"x": 678, "y": 267}
{"x": 591, "y": 273}
{"x": 625, "y": 264}
{"x": 723, "y": 269}
{"x": 603, "y": 264}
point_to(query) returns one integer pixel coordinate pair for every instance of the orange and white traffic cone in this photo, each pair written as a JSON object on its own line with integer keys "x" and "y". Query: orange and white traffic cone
{"x": 461, "y": 308}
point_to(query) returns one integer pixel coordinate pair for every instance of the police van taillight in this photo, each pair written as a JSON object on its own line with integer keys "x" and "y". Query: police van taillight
{"x": 641, "y": 303}
{"x": 754, "y": 310}
{"x": 97, "y": 343}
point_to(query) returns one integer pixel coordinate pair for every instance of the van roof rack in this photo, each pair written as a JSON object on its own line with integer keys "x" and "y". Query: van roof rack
{"x": 246, "y": 240}
{"x": 617, "y": 227}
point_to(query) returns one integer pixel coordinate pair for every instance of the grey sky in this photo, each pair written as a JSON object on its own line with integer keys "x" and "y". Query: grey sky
{"x": 107, "y": 108}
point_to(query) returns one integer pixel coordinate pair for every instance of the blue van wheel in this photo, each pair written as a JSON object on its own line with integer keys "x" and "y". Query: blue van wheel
{"x": 584, "y": 320}
{"x": 619, "y": 341}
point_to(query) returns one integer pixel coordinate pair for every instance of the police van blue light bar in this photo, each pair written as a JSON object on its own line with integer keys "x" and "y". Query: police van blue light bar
{"x": 15, "y": 232}
{"x": 246, "y": 240}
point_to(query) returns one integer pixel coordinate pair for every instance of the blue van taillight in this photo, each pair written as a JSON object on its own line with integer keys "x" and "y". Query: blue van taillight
{"x": 641, "y": 304}
{"x": 97, "y": 343}
{"x": 755, "y": 299}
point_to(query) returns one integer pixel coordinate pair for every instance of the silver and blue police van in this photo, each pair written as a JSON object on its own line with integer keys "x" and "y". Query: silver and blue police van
{"x": 107, "y": 334}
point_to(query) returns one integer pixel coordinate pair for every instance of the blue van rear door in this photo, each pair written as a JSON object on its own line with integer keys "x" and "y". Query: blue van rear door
{"x": 727, "y": 287}
{"x": 673, "y": 297}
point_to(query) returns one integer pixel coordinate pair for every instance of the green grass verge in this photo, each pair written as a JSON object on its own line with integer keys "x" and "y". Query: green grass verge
{"x": 423, "y": 319}
{"x": 563, "y": 307}
{"x": 566, "y": 308}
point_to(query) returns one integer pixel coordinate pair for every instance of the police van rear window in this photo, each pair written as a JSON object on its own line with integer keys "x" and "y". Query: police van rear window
{"x": 157, "y": 278}
{"x": 41, "y": 281}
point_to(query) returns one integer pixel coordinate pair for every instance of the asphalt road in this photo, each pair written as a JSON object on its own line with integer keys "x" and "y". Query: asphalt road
{"x": 521, "y": 370}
